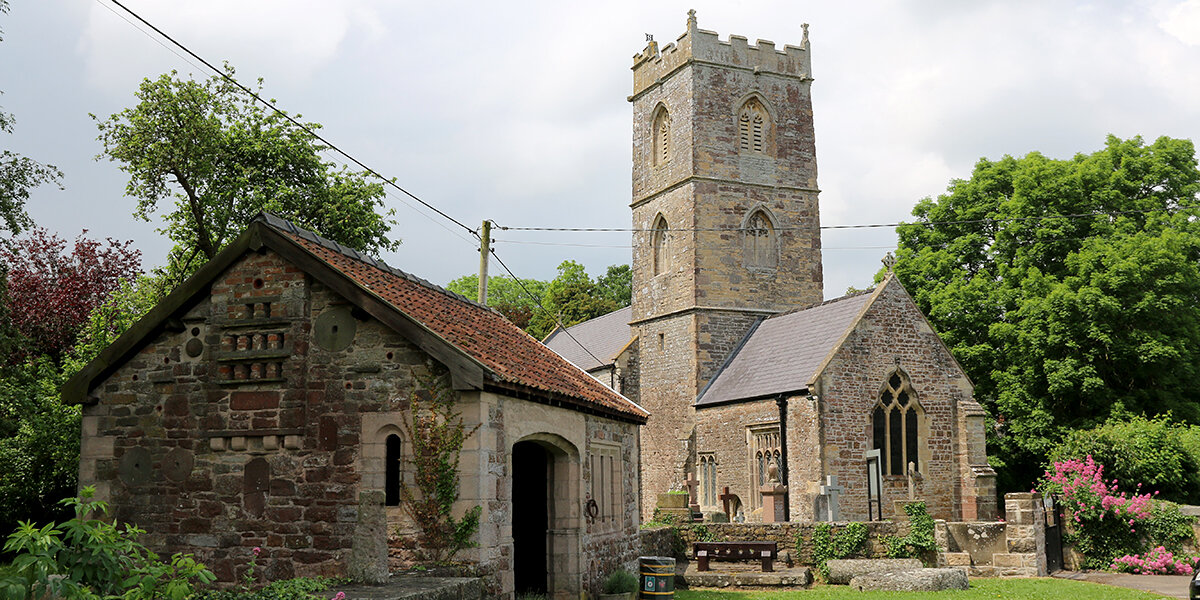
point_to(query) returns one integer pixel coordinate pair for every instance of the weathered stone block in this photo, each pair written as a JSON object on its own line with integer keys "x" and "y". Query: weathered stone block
{"x": 841, "y": 571}
{"x": 917, "y": 580}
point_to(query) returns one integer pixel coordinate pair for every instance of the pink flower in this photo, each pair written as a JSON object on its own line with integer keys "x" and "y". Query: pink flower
{"x": 340, "y": 596}
{"x": 257, "y": 551}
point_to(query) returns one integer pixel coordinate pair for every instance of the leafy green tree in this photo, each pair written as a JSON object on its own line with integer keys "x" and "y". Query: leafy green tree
{"x": 222, "y": 158}
{"x": 18, "y": 175}
{"x": 1060, "y": 321}
{"x": 517, "y": 300}
{"x": 570, "y": 299}
{"x": 616, "y": 284}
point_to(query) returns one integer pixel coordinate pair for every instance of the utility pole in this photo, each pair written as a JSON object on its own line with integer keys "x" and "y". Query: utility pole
{"x": 485, "y": 247}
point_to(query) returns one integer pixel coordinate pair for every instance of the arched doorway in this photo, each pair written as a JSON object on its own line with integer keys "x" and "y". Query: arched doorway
{"x": 546, "y": 517}
{"x": 531, "y": 513}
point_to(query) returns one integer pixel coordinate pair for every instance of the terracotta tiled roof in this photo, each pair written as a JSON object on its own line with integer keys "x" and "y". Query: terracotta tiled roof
{"x": 603, "y": 337}
{"x": 784, "y": 352}
{"x": 511, "y": 355}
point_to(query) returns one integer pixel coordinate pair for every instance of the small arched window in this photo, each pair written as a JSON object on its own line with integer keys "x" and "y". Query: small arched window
{"x": 391, "y": 470}
{"x": 895, "y": 425}
{"x": 661, "y": 133}
{"x": 759, "y": 244}
{"x": 752, "y": 126}
{"x": 659, "y": 240}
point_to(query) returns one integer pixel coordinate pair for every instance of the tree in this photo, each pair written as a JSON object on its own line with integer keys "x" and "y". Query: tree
{"x": 570, "y": 299}
{"x": 516, "y": 299}
{"x": 616, "y": 284}
{"x": 18, "y": 175}
{"x": 1062, "y": 321}
{"x": 52, "y": 292}
{"x": 223, "y": 158}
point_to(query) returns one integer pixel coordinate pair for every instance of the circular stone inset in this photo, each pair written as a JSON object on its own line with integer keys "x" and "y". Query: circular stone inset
{"x": 334, "y": 329}
{"x": 193, "y": 347}
{"x": 135, "y": 466}
{"x": 177, "y": 465}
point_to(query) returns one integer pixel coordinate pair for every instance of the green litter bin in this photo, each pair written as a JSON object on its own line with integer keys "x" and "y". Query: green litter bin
{"x": 657, "y": 579}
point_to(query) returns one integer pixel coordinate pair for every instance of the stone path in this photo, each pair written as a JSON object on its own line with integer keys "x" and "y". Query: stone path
{"x": 1172, "y": 586}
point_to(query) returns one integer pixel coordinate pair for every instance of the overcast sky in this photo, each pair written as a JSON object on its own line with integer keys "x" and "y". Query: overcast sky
{"x": 516, "y": 111}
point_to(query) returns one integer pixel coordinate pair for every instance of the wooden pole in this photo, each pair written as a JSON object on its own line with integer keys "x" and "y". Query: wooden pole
{"x": 485, "y": 247}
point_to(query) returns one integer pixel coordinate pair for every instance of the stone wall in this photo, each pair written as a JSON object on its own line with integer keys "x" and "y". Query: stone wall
{"x": 1013, "y": 548}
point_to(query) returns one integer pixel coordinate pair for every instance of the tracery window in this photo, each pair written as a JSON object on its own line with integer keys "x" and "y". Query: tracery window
{"x": 708, "y": 480}
{"x": 752, "y": 126}
{"x": 764, "y": 451}
{"x": 760, "y": 250}
{"x": 895, "y": 425}
{"x": 661, "y": 132}
{"x": 659, "y": 243}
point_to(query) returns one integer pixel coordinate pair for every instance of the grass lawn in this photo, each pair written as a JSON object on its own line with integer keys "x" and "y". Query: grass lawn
{"x": 1009, "y": 589}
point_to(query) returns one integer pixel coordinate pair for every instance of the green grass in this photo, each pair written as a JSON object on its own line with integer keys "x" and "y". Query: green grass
{"x": 1008, "y": 589}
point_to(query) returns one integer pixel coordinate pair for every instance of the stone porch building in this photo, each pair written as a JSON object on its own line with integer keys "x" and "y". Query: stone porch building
{"x": 728, "y": 343}
{"x": 263, "y": 404}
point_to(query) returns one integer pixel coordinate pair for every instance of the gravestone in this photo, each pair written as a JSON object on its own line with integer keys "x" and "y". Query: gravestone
{"x": 874, "y": 486}
{"x": 726, "y": 503}
{"x": 827, "y": 503}
{"x": 774, "y": 497}
{"x": 693, "y": 502}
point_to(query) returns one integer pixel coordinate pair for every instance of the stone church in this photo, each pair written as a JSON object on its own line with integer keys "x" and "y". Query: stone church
{"x": 264, "y": 403}
{"x": 728, "y": 342}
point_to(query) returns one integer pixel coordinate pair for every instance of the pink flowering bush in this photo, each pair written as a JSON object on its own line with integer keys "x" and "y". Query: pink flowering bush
{"x": 1158, "y": 561}
{"x": 1106, "y": 522}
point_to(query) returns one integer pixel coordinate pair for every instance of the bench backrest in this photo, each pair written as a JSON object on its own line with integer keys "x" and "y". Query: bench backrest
{"x": 736, "y": 550}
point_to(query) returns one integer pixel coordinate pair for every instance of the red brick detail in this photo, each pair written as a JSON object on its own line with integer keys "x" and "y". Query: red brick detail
{"x": 253, "y": 400}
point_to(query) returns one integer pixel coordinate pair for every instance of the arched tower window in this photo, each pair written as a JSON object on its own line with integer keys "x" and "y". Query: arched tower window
{"x": 662, "y": 136}
{"x": 660, "y": 243}
{"x": 753, "y": 121}
{"x": 391, "y": 471}
{"x": 895, "y": 425}
{"x": 760, "y": 245}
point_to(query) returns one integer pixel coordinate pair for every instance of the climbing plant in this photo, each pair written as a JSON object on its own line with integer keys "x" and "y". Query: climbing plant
{"x": 919, "y": 543}
{"x": 829, "y": 545}
{"x": 437, "y": 432}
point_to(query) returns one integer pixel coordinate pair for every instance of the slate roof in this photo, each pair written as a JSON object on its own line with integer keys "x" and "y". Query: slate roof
{"x": 472, "y": 338}
{"x": 782, "y": 354}
{"x": 603, "y": 337}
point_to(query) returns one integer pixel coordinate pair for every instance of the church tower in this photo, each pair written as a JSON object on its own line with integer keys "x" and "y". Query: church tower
{"x": 725, "y": 215}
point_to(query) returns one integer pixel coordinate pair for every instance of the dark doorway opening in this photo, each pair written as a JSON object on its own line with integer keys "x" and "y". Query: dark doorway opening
{"x": 530, "y": 506}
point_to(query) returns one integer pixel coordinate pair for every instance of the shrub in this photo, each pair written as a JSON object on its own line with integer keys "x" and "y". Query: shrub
{"x": 620, "y": 582}
{"x": 86, "y": 558}
{"x": 1158, "y": 561}
{"x": 1157, "y": 453}
{"x": 301, "y": 588}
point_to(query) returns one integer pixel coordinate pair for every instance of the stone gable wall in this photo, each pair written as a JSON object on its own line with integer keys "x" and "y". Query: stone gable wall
{"x": 893, "y": 334}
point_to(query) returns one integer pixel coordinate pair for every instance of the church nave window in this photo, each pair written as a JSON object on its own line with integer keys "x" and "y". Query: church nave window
{"x": 708, "y": 480}
{"x": 895, "y": 425}
{"x": 752, "y": 126}
{"x": 764, "y": 452}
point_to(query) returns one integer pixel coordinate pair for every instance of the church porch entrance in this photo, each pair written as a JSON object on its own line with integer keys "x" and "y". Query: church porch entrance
{"x": 545, "y": 517}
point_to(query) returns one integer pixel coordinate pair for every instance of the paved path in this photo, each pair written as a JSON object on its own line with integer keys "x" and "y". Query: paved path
{"x": 1172, "y": 586}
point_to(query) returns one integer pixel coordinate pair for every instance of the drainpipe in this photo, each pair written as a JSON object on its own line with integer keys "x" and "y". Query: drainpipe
{"x": 782, "y": 403}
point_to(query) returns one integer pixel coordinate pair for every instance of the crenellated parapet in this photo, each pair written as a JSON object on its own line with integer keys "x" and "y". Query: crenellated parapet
{"x": 653, "y": 64}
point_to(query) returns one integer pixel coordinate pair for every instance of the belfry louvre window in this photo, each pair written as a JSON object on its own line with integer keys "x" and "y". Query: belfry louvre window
{"x": 752, "y": 126}
{"x": 662, "y": 135}
{"x": 759, "y": 249}
{"x": 895, "y": 425}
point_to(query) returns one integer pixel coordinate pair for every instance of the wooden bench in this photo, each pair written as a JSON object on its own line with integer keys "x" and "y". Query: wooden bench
{"x": 764, "y": 551}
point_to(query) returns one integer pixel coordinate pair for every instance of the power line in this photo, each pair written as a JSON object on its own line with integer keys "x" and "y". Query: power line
{"x": 292, "y": 120}
{"x": 557, "y": 321}
{"x": 867, "y": 225}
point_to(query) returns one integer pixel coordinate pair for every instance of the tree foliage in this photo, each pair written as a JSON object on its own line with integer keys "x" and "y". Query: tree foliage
{"x": 1060, "y": 321}
{"x": 571, "y": 297}
{"x": 53, "y": 290}
{"x": 222, "y": 158}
